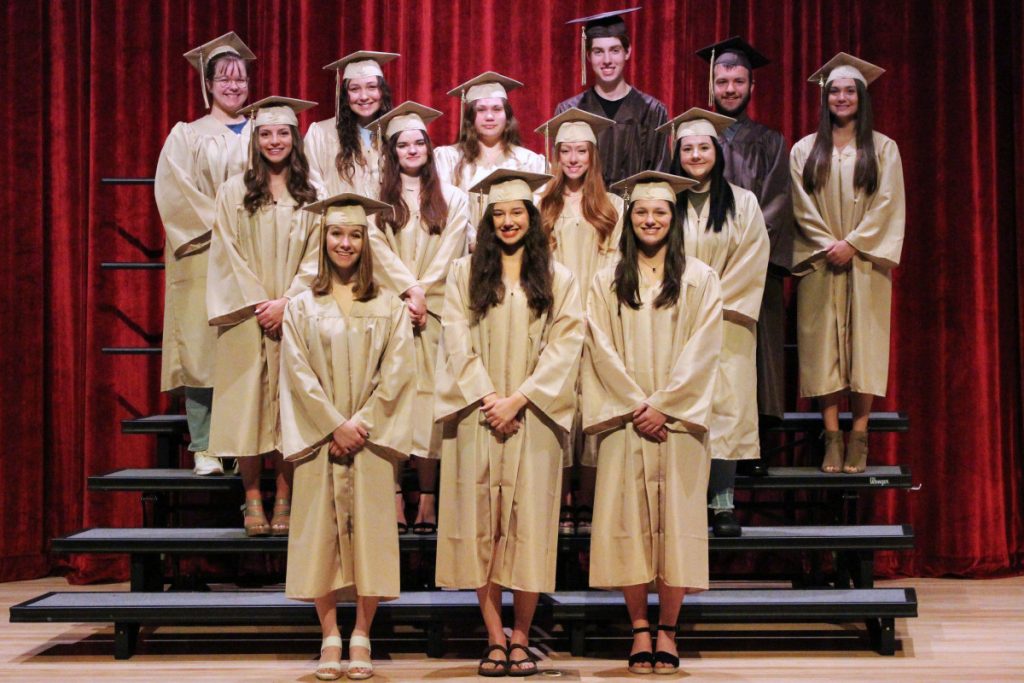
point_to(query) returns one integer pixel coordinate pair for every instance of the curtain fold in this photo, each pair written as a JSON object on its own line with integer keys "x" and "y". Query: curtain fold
{"x": 94, "y": 87}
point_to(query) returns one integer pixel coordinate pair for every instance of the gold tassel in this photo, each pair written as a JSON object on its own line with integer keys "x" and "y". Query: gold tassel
{"x": 625, "y": 196}
{"x": 337, "y": 95}
{"x": 672, "y": 142}
{"x": 252, "y": 137}
{"x": 547, "y": 146}
{"x": 462, "y": 113}
{"x": 711, "y": 81}
{"x": 583, "y": 54}
{"x": 202, "y": 79}
{"x": 821, "y": 82}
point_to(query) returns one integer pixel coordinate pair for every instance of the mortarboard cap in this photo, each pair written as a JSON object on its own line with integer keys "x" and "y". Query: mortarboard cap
{"x": 200, "y": 56}
{"x": 347, "y": 208}
{"x": 506, "y": 185}
{"x": 730, "y": 52}
{"x": 845, "y": 65}
{"x": 653, "y": 185}
{"x": 406, "y": 116}
{"x": 572, "y": 125}
{"x": 603, "y": 25}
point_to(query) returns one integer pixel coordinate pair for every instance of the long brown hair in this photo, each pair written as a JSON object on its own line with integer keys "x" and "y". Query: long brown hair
{"x": 468, "y": 143}
{"x": 350, "y": 148}
{"x": 365, "y": 287}
{"x": 486, "y": 288}
{"x": 819, "y": 161}
{"x": 720, "y": 193}
{"x": 597, "y": 209}
{"x": 257, "y": 178}
{"x": 433, "y": 208}
{"x": 627, "y": 272}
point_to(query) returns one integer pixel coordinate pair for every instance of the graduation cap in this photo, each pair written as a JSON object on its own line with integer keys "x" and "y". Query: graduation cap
{"x": 487, "y": 84}
{"x": 653, "y": 185}
{"x": 357, "y": 65}
{"x": 347, "y": 208}
{"x": 199, "y": 57}
{"x": 845, "y": 65}
{"x": 506, "y": 185}
{"x": 273, "y": 111}
{"x": 730, "y": 52}
{"x": 572, "y": 125}
{"x": 603, "y": 25}
{"x": 406, "y": 116}
{"x": 695, "y": 121}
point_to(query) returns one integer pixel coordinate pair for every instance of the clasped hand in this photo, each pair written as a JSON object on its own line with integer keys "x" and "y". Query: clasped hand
{"x": 416, "y": 301}
{"x": 269, "y": 315}
{"x": 839, "y": 254}
{"x": 502, "y": 414}
{"x": 348, "y": 438}
{"x": 650, "y": 423}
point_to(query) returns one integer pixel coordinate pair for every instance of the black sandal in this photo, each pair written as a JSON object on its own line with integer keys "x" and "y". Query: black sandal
{"x": 498, "y": 668}
{"x": 641, "y": 662}
{"x": 530, "y": 663}
{"x": 584, "y": 519}
{"x": 566, "y": 521}
{"x": 425, "y": 528}
{"x": 670, "y": 661}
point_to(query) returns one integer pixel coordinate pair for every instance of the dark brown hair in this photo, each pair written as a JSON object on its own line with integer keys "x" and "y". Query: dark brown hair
{"x": 468, "y": 143}
{"x": 257, "y": 178}
{"x": 210, "y": 69}
{"x": 350, "y": 149}
{"x": 433, "y": 208}
{"x": 594, "y": 205}
{"x": 819, "y": 161}
{"x": 627, "y": 272}
{"x": 486, "y": 288}
{"x": 623, "y": 40}
{"x": 365, "y": 287}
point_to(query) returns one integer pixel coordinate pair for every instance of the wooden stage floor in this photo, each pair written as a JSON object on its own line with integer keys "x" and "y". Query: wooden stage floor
{"x": 966, "y": 631}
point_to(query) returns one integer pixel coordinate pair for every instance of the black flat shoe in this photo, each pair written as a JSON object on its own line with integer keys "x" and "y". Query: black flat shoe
{"x": 521, "y": 667}
{"x": 724, "y": 524}
{"x": 752, "y": 468}
{"x": 669, "y": 661}
{"x": 495, "y": 668}
{"x": 584, "y": 519}
{"x": 641, "y": 662}
{"x": 566, "y": 521}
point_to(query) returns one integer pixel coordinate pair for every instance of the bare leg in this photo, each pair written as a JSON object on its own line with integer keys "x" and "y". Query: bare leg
{"x": 489, "y": 597}
{"x": 524, "y": 604}
{"x": 860, "y": 405}
{"x": 636, "y": 605}
{"x": 327, "y": 612}
{"x": 830, "y": 411}
{"x": 670, "y": 601}
{"x": 366, "y": 608}
{"x": 399, "y": 498}
{"x": 283, "y": 480}
{"x": 426, "y": 474}
{"x": 566, "y": 517}
{"x": 250, "y": 468}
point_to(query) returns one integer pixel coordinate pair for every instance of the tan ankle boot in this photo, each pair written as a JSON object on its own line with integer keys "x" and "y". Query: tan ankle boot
{"x": 856, "y": 460}
{"x": 834, "y": 452}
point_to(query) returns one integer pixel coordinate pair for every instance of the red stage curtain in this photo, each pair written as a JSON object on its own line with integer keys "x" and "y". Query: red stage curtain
{"x": 92, "y": 88}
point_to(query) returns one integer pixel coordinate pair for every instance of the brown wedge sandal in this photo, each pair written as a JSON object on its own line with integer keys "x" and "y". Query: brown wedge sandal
{"x": 254, "y": 518}
{"x": 281, "y": 518}
{"x": 834, "y": 452}
{"x": 856, "y": 460}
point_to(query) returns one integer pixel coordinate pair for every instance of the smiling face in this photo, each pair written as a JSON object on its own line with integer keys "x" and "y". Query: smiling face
{"x": 652, "y": 219}
{"x": 732, "y": 89}
{"x": 275, "y": 142}
{"x": 574, "y": 158}
{"x": 229, "y": 86}
{"x": 344, "y": 244}
{"x": 364, "y": 98}
{"x": 608, "y": 59}
{"x": 489, "y": 118}
{"x": 511, "y": 221}
{"x": 411, "y": 147}
{"x": 697, "y": 155}
{"x": 842, "y": 99}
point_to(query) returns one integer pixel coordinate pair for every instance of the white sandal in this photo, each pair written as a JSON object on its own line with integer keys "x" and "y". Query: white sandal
{"x": 363, "y": 669}
{"x": 329, "y": 671}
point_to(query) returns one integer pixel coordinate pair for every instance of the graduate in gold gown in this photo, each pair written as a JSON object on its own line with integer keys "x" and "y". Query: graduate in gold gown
{"x": 347, "y": 369}
{"x": 263, "y": 252}
{"x": 511, "y": 337}
{"x": 414, "y": 245}
{"x": 488, "y": 140}
{"x": 343, "y": 155}
{"x": 724, "y": 228}
{"x": 654, "y": 335}
{"x": 195, "y": 161}
{"x": 849, "y": 206}
{"x": 583, "y": 222}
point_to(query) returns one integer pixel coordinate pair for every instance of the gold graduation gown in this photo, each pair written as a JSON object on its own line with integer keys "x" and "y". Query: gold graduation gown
{"x": 843, "y": 317}
{"x": 446, "y": 159}
{"x": 498, "y": 518}
{"x": 410, "y": 257}
{"x": 650, "y": 505}
{"x": 322, "y": 146}
{"x": 196, "y": 159}
{"x": 335, "y": 367}
{"x": 739, "y": 255}
{"x": 270, "y": 254}
{"x": 576, "y": 247}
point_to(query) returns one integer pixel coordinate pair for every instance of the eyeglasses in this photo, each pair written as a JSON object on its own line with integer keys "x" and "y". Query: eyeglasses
{"x": 225, "y": 81}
